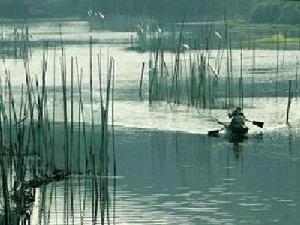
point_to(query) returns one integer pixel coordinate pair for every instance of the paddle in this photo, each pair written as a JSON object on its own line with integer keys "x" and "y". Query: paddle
{"x": 22, "y": 120}
{"x": 256, "y": 123}
{"x": 215, "y": 132}
{"x": 218, "y": 121}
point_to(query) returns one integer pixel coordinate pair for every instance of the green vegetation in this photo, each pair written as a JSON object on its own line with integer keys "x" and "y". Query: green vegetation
{"x": 274, "y": 40}
{"x": 277, "y": 12}
{"x": 164, "y": 10}
{"x": 195, "y": 77}
{"x": 36, "y": 148}
{"x": 210, "y": 35}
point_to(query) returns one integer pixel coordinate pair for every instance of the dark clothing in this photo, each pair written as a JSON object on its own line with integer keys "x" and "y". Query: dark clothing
{"x": 237, "y": 119}
{"x": 235, "y": 113}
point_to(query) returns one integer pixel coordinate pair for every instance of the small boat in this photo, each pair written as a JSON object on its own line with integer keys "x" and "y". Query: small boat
{"x": 242, "y": 131}
{"x": 237, "y": 134}
{"x": 237, "y": 125}
{"x": 233, "y": 129}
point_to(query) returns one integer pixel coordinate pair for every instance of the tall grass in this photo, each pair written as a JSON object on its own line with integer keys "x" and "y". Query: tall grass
{"x": 191, "y": 79}
{"x": 16, "y": 44}
{"x": 34, "y": 145}
{"x": 195, "y": 77}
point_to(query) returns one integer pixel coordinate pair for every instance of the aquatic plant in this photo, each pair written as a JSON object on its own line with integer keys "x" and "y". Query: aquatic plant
{"x": 38, "y": 151}
{"x": 194, "y": 76}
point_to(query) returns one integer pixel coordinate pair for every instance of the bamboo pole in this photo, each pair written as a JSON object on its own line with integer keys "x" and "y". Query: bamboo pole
{"x": 277, "y": 67}
{"x": 113, "y": 147}
{"x": 253, "y": 68}
{"x": 72, "y": 115}
{"x": 66, "y": 139}
{"x": 79, "y": 118}
{"x": 290, "y": 96}
{"x": 91, "y": 97}
{"x": 54, "y": 109}
{"x": 296, "y": 78}
{"x": 4, "y": 188}
{"x": 141, "y": 80}
{"x": 241, "y": 88}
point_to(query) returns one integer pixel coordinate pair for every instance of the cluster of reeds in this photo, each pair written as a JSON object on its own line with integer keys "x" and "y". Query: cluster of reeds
{"x": 149, "y": 36}
{"x": 193, "y": 76}
{"x": 166, "y": 36}
{"x": 197, "y": 34}
{"x": 36, "y": 150}
{"x": 16, "y": 44}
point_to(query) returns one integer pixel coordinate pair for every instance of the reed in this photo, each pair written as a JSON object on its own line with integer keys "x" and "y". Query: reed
{"x": 193, "y": 80}
{"x": 72, "y": 113}
{"x": 114, "y": 200}
{"x": 66, "y": 133}
{"x": 296, "y": 78}
{"x": 290, "y": 96}
{"x": 91, "y": 98}
{"x": 26, "y": 126}
{"x": 228, "y": 83}
{"x": 241, "y": 88}
{"x": 5, "y": 190}
{"x": 277, "y": 67}
{"x": 141, "y": 80}
{"x": 54, "y": 110}
{"x": 80, "y": 114}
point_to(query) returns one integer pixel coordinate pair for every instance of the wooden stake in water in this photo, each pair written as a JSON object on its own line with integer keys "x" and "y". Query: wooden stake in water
{"x": 277, "y": 67}
{"x": 113, "y": 146}
{"x": 53, "y": 110}
{"x": 5, "y": 193}
{"x": 141, "y": 80}
{"x": 64, "y": 87}
{"x": 289, "y": 101}
{"x": 296, "y": 86}
{"x": 253, "y": 69}
{"x": 241, "y": 91}
{"x": 91, "y": 93}
{"x": 72, "y": 114}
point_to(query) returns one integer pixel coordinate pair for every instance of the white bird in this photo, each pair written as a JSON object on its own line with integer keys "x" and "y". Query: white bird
{"x": 213, "y": 71}
{"x": 3, "y": 36}
{"x": 100, "y": 14}
{"x": 218, "y": 35}
{"x": 158, "y": 29}
{"x": 140, "y": 29}
{"x": 185, "y": 47}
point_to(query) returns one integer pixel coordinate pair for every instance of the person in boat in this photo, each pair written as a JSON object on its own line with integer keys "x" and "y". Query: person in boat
{"x": 236, "y": 112}
{"x": 237, "y": 118}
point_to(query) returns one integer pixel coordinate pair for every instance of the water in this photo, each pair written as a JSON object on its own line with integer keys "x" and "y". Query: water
{"x": 179, "y": 178}
{"x": 168, "y": 171}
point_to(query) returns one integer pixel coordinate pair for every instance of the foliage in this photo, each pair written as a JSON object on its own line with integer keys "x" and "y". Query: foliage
{"x": 274, "y": 40}
{"x": 277, "y": 12}
{"x": 273, "y": 11}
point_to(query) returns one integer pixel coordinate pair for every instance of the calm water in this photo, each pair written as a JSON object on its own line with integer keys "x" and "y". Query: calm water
{"x": 179, "y": 178}
{"x": 167, "y": 170}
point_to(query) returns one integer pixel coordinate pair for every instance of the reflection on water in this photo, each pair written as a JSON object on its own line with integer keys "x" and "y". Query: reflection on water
{"x": 179, "y": 178}
{"x": 167, "y": 170}
{"x": 75, "y": 31}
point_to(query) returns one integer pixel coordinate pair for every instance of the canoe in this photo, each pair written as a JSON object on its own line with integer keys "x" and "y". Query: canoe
{"x": 236, "y": 135}
{"x": 230, "y": 131}
{"x": 237, "y": 130}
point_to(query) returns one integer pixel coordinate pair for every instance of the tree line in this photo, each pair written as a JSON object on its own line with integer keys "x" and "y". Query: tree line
{"x": 255, "y": 10}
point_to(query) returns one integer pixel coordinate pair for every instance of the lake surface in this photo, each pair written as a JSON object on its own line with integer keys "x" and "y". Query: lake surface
{"x": 168, "y": 171}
